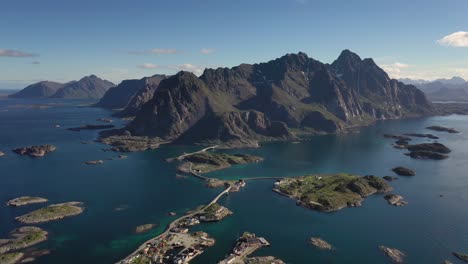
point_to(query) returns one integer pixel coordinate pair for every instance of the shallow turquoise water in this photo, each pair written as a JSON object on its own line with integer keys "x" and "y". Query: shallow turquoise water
{"x": 428, "y": 229}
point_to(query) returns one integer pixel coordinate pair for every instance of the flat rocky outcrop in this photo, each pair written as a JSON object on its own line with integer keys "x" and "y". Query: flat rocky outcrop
{"x": 427, "y": 155}
{"x": 94, "y": 162}
{"x": 403, "y": 171}
{"x": 396, "y": 200}
{"x": 2, "y": 153}
{"x": 90, "y": 127}
{"x": 23, "y": 237}
{"x": 35, "y": 151}
{"x": 320, "y": 243}
{"x": 52, "y": 212}
{"x": 123, "y": 141}
{"x": 389, "y": 178}
{"x": 25, "y": 200}
{"x": 394, "y": 254}
{"x": 443, "y": 129}
{"x": 432, "y": 147}
{"x": 263, "y": 260}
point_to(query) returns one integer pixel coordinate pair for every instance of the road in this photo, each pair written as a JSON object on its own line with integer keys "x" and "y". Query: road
{"x": 174, "y": 223}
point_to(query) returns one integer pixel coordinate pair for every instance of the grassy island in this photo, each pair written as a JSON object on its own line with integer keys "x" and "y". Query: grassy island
{"x": 52, "y": 212}
{"x": 331, "y": 192}
{"x": 25, "y": 200}
{"x": 11, "y": 258}
{"x": 23, "y": 237}
{"x": 214, "y": 212}
{"x": 203, "y": 162}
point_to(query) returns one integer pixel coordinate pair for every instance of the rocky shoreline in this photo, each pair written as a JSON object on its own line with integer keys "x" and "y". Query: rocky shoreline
{"x": 35, "y": 151}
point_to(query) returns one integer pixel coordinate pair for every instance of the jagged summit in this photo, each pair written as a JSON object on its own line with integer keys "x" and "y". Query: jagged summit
{"x": 269, "y": 100}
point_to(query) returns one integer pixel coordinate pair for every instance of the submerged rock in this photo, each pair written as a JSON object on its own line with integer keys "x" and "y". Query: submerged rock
{"x": 389, "y": 178}
{"x": 443, "y": 129}
{"x": 431, "y": 136}
{"x": 2, "y": 153}
{"x": 35, "y": 151}
{"x": 396, "y": 200}
{"x": 402, "y": 171}
{"x": 396, "y": 255}
{"x": 320, "y": 243}
{"x": 398, "y": 137}
{"x": 144, "y": 228}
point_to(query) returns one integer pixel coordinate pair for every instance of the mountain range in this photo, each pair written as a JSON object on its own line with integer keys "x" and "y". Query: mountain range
{"x": 274, "y": 100}
{"x": 454, "y": 89}
{"x": 89, "y": 87}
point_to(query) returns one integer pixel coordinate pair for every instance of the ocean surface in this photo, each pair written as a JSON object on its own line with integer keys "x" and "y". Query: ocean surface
{"x": 122, "y": 194}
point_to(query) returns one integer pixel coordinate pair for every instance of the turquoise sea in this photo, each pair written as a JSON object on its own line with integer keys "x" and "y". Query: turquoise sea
{"x": 122, "y": 194}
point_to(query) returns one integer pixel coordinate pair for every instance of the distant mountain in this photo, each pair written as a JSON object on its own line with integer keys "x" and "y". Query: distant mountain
{"x": 275, "y": 100}
{"x": 454, "y": 89}
{"x": 38, "y": 90}
{"x": 89, "y": 87}
{"x": 412, "y": 81}
{"x": 130, "y": 95}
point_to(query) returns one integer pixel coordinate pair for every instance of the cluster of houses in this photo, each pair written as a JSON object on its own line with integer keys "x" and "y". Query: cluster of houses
{"x": 246, "y": 245}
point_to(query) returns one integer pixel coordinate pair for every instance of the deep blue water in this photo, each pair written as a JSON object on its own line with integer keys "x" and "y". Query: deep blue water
{"x": 428, "y": 229}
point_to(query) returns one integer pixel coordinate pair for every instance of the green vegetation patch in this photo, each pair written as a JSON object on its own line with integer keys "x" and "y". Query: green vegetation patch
{"x": 332, "y": 192}
{"x": 11, "y": 258}
{"x": 209, "y": 161}
{"x": 52, "y": 212}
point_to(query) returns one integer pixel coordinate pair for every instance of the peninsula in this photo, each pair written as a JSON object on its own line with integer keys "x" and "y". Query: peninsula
{"x": 331, "y": 192}
{"x": 52, "y": 212}
{"x": 246, "y": 245}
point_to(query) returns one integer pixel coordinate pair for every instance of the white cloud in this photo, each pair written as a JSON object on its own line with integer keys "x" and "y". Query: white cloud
{"x": 206, "y": 51}
{"x": 148, "y": 66}
{"x": 164, "y": 51}
{"x": 394, "y": 70}
{"x": 15, "y": 53}
{"x": 155, "y": 51}
{"x": 457, "y": 39}
{"x": 196, "y": 69}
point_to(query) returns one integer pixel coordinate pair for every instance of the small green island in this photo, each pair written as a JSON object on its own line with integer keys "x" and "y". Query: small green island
{"x": 11, "y": 258}
{"x": 25, "y": 200}
{"x": 331, "y": 192}
{"x": 21, "y": 238}
{"x": 205, "y": 161}
{"x": 52, "y": 212}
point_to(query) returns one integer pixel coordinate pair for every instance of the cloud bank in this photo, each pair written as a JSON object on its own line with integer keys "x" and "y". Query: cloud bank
{"x": 206, "y": 51}
{"x": 458, "y": 39}
{"x": 394, "y": 70}
{"x": 15, "y": 53}
{"x": 148, "y": 66}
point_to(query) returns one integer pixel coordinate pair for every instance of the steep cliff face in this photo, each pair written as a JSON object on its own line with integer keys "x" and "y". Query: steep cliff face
{"x": 89, "y": 87}
{"x": 130, "y": 95}
{"x": 265, "y": 101}
{"x": 38, "y": 90}
{"x": 142, "y": 95}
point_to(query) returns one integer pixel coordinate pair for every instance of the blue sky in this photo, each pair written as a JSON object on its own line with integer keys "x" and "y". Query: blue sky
{"x": 64, "y": 40}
